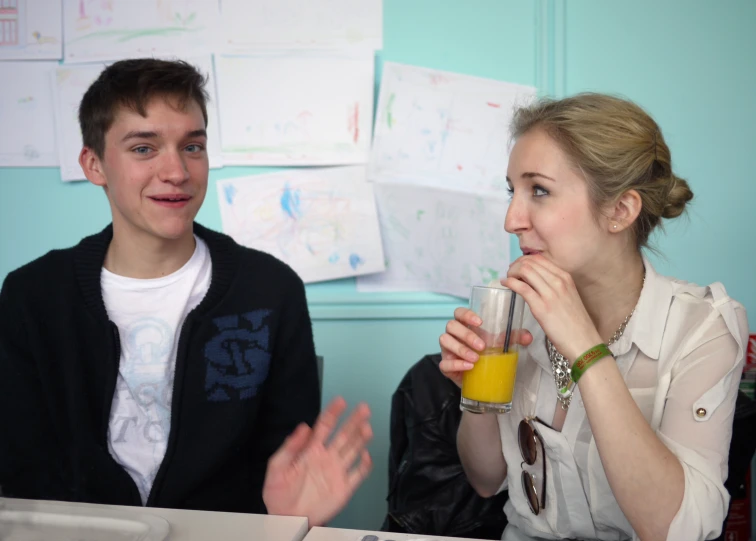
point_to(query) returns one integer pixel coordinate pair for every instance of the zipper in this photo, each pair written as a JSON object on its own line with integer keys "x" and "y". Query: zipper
{"x": 109, "y": 406}
{"x": 170, "y": 448}
{"x": 113, "y": 379}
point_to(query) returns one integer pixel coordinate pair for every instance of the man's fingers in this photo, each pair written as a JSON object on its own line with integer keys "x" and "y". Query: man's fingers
{"x": 360, "y": 473}
{"x": 328, "y": 420}
{"x": 355, "y": 443}
{"x": 291, "y": 447}
{"x": 350, "y": 433}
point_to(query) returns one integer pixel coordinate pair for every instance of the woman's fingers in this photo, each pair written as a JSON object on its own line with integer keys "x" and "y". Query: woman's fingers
{"x": 454, "y": 369}
{"x": 469, "y": 336}
{"x": 455, "y": 365}
{"x": 451, "y": 348}
{"x": 467, "y": 316}
{"x": 522, "y": 337}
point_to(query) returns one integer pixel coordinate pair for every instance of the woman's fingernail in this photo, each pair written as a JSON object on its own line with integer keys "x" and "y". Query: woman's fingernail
{"x": 468, "y": 366}
{"x": 471, "y": 356}
{"x": 479, "y": 344}
{"x": 477, "y": 320}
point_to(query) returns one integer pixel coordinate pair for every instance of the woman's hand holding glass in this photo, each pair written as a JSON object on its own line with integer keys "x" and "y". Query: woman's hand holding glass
{"x": 461, "y": 345}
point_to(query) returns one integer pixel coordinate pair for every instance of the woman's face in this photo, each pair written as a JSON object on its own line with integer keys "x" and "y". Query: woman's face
{"x": 550, "y": 210}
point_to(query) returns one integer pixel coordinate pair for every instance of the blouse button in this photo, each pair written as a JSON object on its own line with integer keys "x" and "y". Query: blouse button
{"x": 701, "y": 412}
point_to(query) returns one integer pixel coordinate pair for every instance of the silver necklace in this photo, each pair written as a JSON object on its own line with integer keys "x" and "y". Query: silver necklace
{"x": 560, "y": 366}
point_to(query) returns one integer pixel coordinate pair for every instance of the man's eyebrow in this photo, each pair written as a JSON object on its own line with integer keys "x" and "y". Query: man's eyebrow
{"x": 153, "y": 134}
{"x": 139, "y": 135}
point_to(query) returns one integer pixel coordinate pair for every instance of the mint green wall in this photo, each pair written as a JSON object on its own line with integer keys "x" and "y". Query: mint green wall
{"x": 689, "y": 63}
{"x": 692, "y": 66}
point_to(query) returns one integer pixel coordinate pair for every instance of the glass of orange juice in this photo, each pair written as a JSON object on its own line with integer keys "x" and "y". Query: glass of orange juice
{"x": 488, "y": 386}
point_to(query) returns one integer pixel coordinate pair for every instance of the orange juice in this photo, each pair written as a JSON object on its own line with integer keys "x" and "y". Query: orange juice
{"x": 492, "y": 378}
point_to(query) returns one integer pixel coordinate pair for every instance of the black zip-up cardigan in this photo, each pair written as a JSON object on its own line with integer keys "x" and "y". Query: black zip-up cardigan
{"x": 245, "y": 377}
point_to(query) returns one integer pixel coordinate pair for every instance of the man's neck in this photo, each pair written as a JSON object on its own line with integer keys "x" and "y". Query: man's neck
{"x": 145, "y": 256}
{"x": 611, "y": 292}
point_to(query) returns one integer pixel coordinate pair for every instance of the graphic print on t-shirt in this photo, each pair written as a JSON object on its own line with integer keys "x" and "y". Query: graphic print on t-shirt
{"x": 149, "y": 314}
{"x": 144, "y": 393}
{"x": 238, "y": 357}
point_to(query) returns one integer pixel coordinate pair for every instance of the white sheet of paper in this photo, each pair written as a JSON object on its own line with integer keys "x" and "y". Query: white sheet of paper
{"x": 438, "y": 240}
{"x": 115, "y": 29}
{"x": 295, "y": 108}
{"x": 252, "y": 25}
{"x": 322, "y": 222}
{"x": 443, "y": 129}
{"x": 70, "y": 82}
{"x": 27, "y": 137}
{"x": 31, "y": 30}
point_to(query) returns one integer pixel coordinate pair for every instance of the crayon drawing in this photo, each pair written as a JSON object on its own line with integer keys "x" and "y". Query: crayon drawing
{"x": 443, "y": 129}
{"x": 111, "y": 29}
{"x": 69, "y": 84}
{"x": 322, "y": 222}
{"x": 30, "y": 30}
{"x": 438, "y": 240}
{"x": 295, "y": 109}
{"x": 26, "y": 114}
{"x": 253, "y": 25}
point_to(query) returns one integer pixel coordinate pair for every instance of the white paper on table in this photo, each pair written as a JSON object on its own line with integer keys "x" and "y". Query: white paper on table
{"x": 438, "y": 240}
{"x": 322, "y": 222}
{"x": 443, "y": 129}
{"x": 112, "y": 30}
{"x": 27, "y": 126}
{"x": 252, "y": 25}
{"x": 70, "y": 82}
{"x": 295, "y": 108}
{"x": 31, "y": 30}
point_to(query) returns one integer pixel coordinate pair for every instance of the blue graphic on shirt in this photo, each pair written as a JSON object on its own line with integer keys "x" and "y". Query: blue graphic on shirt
{"x": 238, "y": 357}
{"x": 148, "y": 373}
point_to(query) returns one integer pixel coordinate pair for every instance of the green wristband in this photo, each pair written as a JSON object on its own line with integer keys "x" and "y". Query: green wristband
{"x": 587, "y": 359}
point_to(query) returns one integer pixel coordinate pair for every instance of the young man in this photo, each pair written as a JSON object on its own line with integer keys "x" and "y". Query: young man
{"x": 157, "y": 362}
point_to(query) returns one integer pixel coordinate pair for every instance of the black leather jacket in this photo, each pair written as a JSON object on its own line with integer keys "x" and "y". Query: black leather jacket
{"x": 428, "y": 491}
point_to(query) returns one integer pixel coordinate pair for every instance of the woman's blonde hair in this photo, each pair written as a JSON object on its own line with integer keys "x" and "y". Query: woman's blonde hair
{"x": 618, "y": 147}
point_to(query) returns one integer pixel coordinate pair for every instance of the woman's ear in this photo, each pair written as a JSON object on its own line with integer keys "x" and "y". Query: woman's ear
{"x": 624, "y": 211}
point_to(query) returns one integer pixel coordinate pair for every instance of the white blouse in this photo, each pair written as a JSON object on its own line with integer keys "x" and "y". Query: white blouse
{"x": 681, "y": 356}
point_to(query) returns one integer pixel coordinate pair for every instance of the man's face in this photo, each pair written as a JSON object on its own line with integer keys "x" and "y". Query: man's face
{"x": 155, "y": 169}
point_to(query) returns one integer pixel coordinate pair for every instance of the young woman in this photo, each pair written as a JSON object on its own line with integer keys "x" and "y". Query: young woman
{"x": 637, "y": 447}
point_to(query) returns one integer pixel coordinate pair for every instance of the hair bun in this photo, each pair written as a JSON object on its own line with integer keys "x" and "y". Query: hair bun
{"x": 677, "y": 198}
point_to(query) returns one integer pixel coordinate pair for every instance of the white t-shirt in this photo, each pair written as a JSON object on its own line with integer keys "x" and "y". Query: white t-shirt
{"x": 149, "y": 315}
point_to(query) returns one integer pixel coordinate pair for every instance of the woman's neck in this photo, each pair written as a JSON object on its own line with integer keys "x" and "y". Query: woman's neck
{"x": 610, "y": 292}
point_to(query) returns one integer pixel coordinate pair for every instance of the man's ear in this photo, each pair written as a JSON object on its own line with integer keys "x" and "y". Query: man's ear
{"x": 624, "y": 211}
{"x": 91, "y": 164}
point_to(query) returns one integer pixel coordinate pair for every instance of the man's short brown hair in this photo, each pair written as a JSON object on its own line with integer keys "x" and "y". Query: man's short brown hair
{"x": 132, "y": 84}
